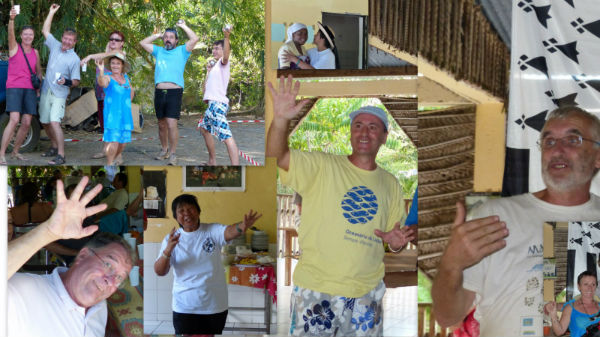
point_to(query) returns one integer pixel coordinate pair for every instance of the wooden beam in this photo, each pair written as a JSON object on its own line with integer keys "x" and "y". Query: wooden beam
{"x": 407, "y": 88}
{"x": 376, "y": 71}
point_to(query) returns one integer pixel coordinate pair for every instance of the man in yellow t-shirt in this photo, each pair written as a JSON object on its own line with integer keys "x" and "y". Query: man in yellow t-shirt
{"x": 350, "y": 208}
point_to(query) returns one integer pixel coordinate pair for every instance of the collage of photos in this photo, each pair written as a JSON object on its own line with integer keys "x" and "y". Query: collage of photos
{"x": 414, "y": 168}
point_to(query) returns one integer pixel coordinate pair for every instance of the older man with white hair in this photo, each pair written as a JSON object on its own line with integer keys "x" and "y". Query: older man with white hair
{"x": 494, "y": 261}
{"x": 68, "y": 302}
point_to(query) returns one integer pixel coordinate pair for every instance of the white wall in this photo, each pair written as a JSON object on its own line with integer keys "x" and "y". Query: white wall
{"x": 158, "y": 295}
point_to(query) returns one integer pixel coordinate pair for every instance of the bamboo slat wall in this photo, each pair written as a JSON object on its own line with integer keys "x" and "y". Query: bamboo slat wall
{"x": 393, "y": 21}
{"x": 561, "y": 237}
{"x": 295, "y": 122}
{"x": 446, "y": 143}
{"x": 404, "y": 111}
{"x": 452, "y": 34}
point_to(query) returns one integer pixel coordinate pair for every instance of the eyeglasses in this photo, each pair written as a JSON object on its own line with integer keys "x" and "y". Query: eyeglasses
{"x": 109, "y": 270}
{"x": 116, "y": 40}
{"x": 568, "y": 141}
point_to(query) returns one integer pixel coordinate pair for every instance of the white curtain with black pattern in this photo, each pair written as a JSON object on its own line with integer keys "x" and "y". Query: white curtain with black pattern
{"x": 583, "y": 247}
{"x": 554, "y": 61}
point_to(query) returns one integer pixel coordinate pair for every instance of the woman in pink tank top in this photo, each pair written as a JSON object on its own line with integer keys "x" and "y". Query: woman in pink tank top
{"x": 21, "y": 97}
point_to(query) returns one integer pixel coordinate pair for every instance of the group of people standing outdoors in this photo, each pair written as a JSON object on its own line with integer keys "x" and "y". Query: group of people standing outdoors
{"x": 113, "y": 89}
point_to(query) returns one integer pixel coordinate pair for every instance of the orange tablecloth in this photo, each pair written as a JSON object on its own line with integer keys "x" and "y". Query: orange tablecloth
{"x": 262, "y": 276}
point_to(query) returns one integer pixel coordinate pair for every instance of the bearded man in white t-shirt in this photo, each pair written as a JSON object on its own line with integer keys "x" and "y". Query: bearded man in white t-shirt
{"x": 494, "y": 261}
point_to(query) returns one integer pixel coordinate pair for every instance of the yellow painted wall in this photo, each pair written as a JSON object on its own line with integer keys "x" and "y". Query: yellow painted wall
{"x": 548, "y": 253}
{"x": 307, "y": 12}
{"x": 223, "y": 207}
{"x": 490, "y": 130}
{"x": 134, "y": 179}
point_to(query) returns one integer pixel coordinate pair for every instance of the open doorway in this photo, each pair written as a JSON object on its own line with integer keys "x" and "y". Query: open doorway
{"x": 350, "y": 38}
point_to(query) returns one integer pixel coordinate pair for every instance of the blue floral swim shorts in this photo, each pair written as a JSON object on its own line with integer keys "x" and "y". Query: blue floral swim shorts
{"x": 317, "y": 314}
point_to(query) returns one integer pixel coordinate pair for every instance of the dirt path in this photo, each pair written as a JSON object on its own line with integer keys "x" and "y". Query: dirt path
{"x": 191, "y": 150}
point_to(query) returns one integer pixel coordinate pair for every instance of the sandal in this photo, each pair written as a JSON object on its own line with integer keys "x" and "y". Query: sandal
{"x": 18, "y": 156}
{"x": 118, "y": 161}
{"x": 164, "y": 154}
{"x": 3, "y": 160}
{"x": 51, "y": 152}
{"x": 58, "y": 160}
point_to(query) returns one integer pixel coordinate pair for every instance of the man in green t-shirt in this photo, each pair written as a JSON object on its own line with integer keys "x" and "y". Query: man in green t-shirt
{"x": 350, "y": 208}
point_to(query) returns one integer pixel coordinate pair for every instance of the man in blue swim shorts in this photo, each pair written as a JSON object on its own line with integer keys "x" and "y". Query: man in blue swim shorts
{"x": 215, "y": 94}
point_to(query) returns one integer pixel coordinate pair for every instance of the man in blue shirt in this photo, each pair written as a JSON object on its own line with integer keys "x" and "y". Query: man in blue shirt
{"x": 169, "y": 83}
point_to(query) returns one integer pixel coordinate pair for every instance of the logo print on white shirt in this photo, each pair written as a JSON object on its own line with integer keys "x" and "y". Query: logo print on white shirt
{"x": 208, "y": 245}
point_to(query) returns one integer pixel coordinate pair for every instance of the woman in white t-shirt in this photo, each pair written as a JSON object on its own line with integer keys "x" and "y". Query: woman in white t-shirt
{"x": 324, "y": 56}
{"x": 194, "y": 251}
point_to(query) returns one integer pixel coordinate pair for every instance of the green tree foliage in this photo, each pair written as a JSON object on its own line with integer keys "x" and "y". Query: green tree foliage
{"x": 424, "y": 288}
{"x": 327, "y": 129}
{"x": 137, "y": 19}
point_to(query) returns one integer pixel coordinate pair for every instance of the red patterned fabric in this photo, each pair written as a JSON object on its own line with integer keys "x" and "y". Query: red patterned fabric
{"x": 262, "y": 277}
{"x": 469, "y": 327}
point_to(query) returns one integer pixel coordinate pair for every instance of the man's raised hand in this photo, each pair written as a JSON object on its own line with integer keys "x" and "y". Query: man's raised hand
{"x": 66, "y": 222}
{"x": 284, "y": 98}
{"x": 473, "y": 240}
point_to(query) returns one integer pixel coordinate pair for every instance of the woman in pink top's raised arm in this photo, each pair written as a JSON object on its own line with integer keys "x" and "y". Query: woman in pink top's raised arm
{"x": 21, "y": 96}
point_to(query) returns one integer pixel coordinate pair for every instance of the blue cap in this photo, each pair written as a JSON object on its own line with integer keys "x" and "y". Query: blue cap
{"x": 371, "y": 110}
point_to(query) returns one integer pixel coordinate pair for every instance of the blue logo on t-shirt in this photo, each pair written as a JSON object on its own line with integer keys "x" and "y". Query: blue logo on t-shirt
{"x": 208, "y": 245}
{"x": 359, "y": 205}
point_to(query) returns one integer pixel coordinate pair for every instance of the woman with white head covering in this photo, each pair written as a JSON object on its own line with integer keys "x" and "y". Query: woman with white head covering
{"x": 297, "y": 34}
{"x": 324, "y": 56}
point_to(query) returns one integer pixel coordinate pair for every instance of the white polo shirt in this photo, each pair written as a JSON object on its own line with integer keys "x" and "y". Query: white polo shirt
{"x": 39, "y": 305}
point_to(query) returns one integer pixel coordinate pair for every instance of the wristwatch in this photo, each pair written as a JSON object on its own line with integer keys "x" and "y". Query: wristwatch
{"x": 237, "y": 227}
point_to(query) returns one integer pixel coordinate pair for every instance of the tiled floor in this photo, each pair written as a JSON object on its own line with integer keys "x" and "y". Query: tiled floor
{"x": 400, "y": 307}
{"x": 166, "y": 328}
{"x": 400, "y": 312}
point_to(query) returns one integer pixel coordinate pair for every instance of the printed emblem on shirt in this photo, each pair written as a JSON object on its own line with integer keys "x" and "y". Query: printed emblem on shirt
{"x": 537, "y": 268}
{"x": 535, "y": 250}
{"x": 533, "y": 283}
{"x": 208, "y": 245}
{"x": 359, "y": 205}
{"x": 529, "y": 301}
{"x": 531, "y": 326}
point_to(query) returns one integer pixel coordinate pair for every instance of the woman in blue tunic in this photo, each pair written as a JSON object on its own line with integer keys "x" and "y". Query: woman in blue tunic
{"x": 118, "y": 122}
{"x": 579, "y": 313}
